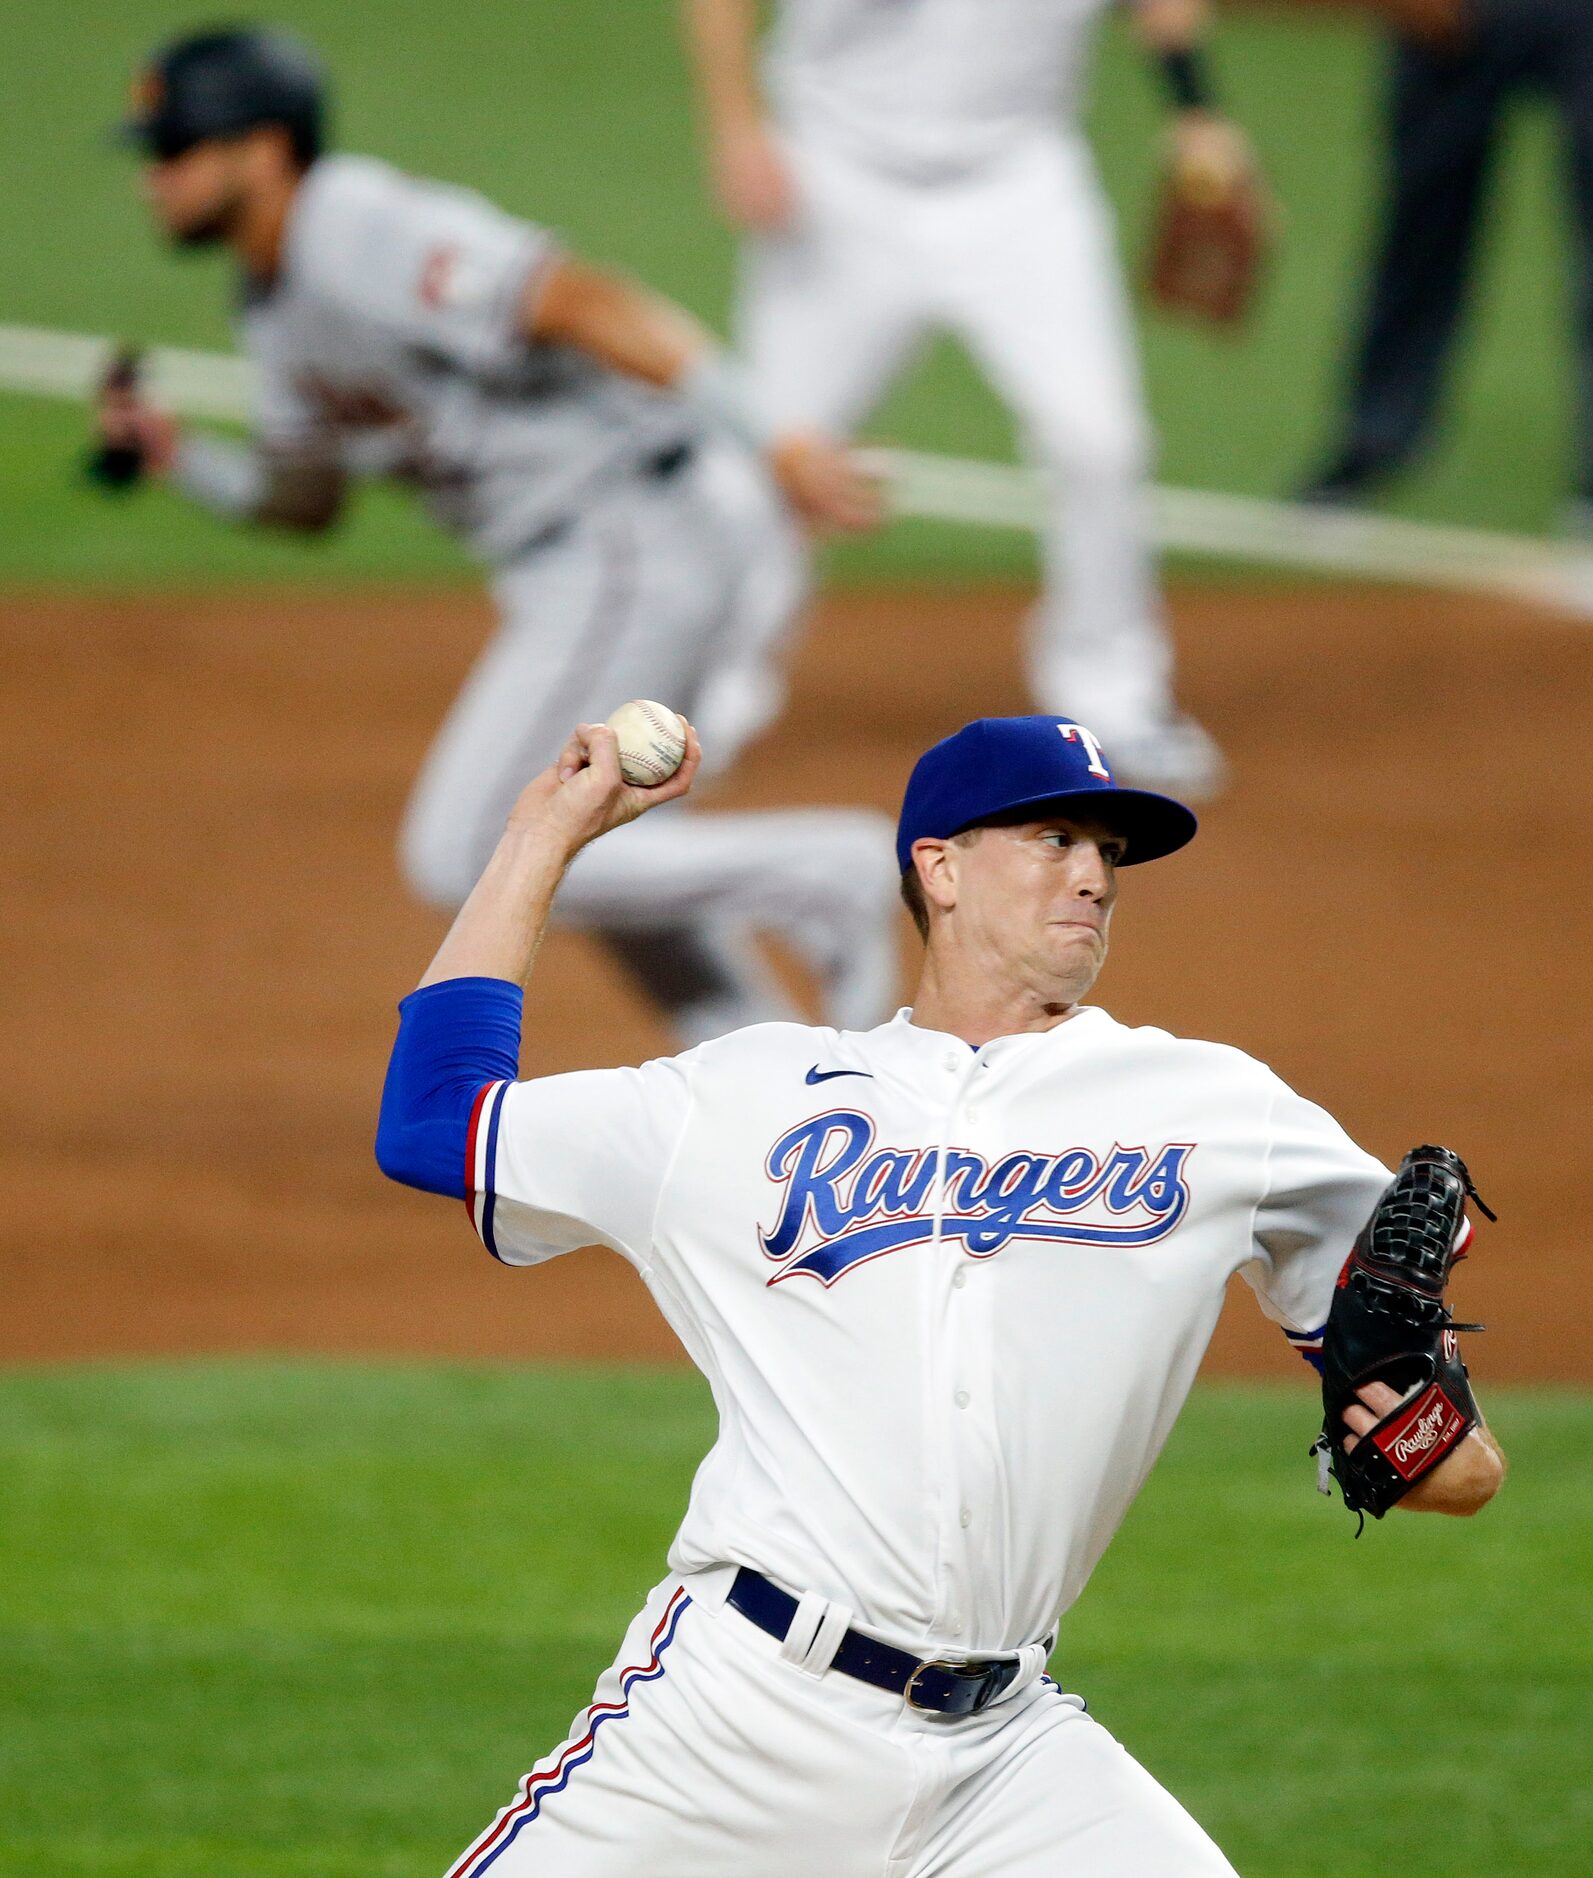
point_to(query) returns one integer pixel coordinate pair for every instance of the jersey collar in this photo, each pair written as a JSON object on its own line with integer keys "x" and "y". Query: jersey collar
{"x": 901, "y": 1030}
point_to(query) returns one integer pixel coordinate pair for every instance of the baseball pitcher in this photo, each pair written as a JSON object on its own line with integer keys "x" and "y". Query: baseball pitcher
{"x": 590, "y": 444}
{"x": 950, "y": 1280}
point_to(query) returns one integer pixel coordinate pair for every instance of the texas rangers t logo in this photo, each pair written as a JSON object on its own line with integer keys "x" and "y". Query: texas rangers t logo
{"x": 841, "y": 1204}
{"x": 1076, "y": 733}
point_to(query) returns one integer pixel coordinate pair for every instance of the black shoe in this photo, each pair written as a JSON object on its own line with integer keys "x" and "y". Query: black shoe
{"x": 1348, "y": 480}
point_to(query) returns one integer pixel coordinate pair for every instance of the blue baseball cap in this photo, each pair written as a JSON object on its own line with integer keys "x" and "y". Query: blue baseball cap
{"x": 995, "y": 767}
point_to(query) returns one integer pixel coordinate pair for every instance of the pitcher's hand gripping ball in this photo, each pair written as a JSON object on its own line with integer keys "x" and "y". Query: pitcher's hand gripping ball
{"x": 1389, "y": 1323}
{"x": 652, "y": 742}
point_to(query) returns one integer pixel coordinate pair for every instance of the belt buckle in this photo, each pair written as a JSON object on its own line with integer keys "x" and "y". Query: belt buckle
{"x": 966, "y": 1672}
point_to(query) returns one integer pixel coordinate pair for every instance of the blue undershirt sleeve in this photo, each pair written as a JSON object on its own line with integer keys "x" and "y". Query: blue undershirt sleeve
{"x": 453, "y": 1039}
{"x": 1308, "y": 1343}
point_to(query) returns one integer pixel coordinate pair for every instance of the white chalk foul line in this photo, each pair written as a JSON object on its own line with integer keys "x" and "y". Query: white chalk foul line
{"x": 69, "y": 365}
{"x": 993, "y": 495}
{"x": 1245, "y": 528}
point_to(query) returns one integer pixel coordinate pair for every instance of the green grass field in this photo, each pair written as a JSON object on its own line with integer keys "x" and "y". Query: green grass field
{"x": 313, "y": 1620}
{"x": 579, "y": 116}
{"x": 316, "y": 1619}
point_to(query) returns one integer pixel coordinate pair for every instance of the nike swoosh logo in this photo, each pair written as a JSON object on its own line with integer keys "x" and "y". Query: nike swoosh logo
{"x": 829, "y": 1075}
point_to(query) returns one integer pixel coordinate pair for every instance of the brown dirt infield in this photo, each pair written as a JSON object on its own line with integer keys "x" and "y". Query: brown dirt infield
{"x": 204, "y": 937}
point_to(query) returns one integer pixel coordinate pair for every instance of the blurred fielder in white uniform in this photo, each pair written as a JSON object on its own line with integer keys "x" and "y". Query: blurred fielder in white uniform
{"x": 592, "y": 447}
{"x": 907, "y": 165}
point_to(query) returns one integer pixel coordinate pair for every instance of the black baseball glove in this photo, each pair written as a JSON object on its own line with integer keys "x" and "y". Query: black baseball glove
{"x": 117, "y": 460}
{"x": 1389, "y": 1323}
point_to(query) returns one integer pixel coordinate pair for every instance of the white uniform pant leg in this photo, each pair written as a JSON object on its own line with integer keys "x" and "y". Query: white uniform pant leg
{"x": 1034, "y": 289}
{"x": 685, "y": 590}
{"x": 742, "y": 688}
{"x": 703, "y": 1757}
{"x": 828, "y": 312}
{"x": 582, "y": 621}
{"x": 823, "y": 879}
{"x": 1048, "y": 1793}
{"x": 645, "y": 598}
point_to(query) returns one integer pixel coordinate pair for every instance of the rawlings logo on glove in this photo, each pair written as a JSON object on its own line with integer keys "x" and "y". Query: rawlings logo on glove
{"x": 1428, "y": 1433}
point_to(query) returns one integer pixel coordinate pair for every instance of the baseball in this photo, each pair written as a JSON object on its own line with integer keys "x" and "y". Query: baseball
{"x": 652, "y": 741}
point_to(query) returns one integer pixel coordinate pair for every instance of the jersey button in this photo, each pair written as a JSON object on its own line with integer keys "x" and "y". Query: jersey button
{"x": 965, "y": 1519}
{"x": 962, "y": 1398}
{"x": 959, "y": 1278}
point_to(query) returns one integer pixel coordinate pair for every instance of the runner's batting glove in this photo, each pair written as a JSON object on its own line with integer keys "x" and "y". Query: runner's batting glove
{"x": 118, "y": 460}
{"x": 1389, "y": 1323}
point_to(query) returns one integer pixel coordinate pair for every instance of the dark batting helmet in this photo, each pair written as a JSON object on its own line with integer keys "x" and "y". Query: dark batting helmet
{"x": 224, "y": 82}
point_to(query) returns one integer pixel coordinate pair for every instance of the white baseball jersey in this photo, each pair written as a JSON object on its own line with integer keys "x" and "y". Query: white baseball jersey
{"x": 927, "y": 85}
{"x": 949, "y": 1301}
{"x": 390, "y": 337}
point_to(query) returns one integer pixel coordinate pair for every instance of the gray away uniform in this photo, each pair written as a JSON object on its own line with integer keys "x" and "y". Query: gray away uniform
{"x": 632, "y": 555}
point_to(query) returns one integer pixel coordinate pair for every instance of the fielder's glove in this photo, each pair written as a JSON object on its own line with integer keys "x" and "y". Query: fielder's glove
{"x": 1389, "y": 1323}
{"x": 1213, "y": 228}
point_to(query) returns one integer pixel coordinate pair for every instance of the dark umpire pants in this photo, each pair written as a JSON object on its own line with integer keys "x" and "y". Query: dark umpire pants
{"x": 1446, "y": 110}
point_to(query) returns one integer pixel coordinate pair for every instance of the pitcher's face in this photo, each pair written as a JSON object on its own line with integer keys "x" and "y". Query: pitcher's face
{"x": 1032, "y": 902}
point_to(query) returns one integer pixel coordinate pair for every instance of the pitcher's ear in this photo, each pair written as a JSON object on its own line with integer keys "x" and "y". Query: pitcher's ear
{"x": 936, "y": 863}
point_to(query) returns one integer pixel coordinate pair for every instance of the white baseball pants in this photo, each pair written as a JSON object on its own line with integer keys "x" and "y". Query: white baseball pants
{"x": 683, "y": 589}
{"x": 706, "y": 1754}
{"x": 1018, "y": 260}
